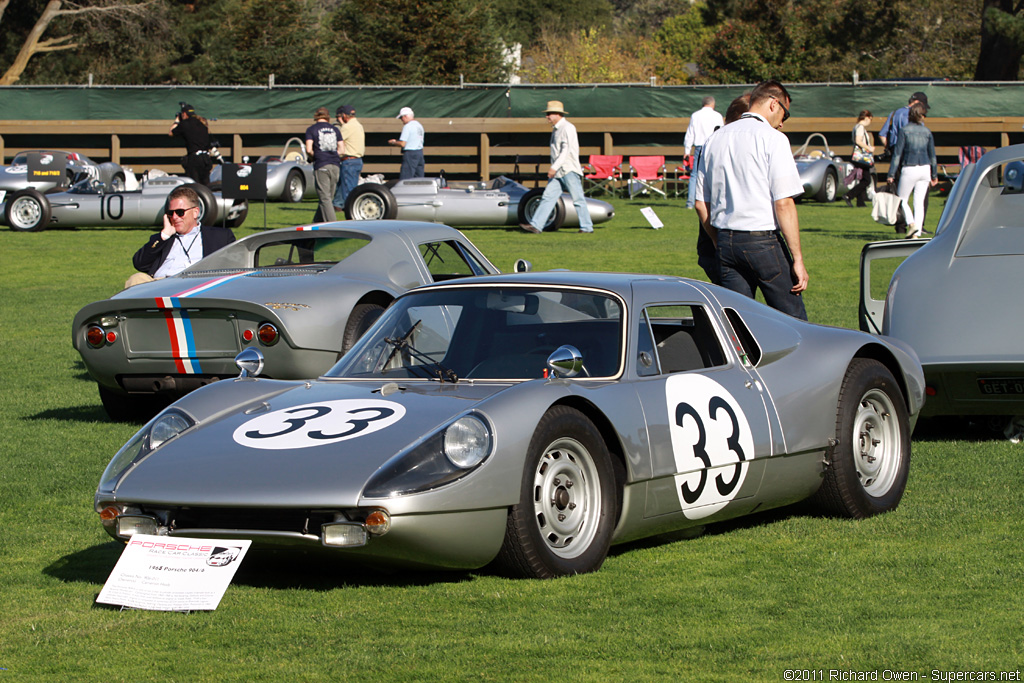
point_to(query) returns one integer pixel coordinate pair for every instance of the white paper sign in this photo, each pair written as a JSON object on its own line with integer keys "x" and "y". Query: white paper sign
{"x": 172, "y": 573}
{"x": 652, "y": 217}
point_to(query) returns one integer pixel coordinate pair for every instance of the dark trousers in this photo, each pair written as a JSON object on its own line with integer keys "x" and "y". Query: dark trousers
{"x": 749, "y": 261}
{"x": 412, "y": 164}
{"x": 860, "y": 190}
{"x": 197, "y": 167}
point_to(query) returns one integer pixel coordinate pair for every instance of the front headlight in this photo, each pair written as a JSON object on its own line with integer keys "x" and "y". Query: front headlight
{"x": 161, "y": 429}
{"x": 448, "y": 454}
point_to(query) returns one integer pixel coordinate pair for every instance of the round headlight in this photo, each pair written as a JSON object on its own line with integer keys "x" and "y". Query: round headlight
{"x": 467, "y": 441}
{"x": 166, "y": 427}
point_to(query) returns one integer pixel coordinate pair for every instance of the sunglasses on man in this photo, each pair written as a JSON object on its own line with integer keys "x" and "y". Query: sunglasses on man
{"x": 180, "y": 213}
{"x": 785, "y": 111}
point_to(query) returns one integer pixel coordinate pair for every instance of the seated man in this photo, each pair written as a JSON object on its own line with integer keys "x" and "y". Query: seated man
{"x": 182, "y": 242}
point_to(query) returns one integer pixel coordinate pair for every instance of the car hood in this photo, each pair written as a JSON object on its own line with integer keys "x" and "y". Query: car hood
{"x": 228, "y": 459}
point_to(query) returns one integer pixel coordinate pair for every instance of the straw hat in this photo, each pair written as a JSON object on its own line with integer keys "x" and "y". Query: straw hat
{"x": 555, "y": 107}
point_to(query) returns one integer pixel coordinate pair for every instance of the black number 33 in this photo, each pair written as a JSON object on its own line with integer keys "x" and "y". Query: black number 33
{"x": 716, "y": 405}
{"x": 358, "y": 424}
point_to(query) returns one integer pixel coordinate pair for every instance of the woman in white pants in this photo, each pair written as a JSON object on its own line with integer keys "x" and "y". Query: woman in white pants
{"x": 914, "y": 161}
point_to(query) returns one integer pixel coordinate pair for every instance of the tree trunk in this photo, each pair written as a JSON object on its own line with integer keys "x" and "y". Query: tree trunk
{"x": 31, "y": 44}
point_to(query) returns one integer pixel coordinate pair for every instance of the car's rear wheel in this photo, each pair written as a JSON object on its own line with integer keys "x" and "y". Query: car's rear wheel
{"x": 237, "y": 221}
{"x": 370, "y": 202}
{"x": 829, "y": 186}
{"x": 27, "y": 211}
{"x": 868, "y": 467}
{"x": 117, "y": 183}
{"x": 528, "y": 206}
{"x": 294, "y": 187}
{"x": 568, "y": 503}
{"x": 207, "y": 204}
{"x": 362, "y": 318}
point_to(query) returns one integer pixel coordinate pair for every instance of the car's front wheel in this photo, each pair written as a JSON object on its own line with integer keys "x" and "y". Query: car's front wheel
{"x": 27, "y": 211}
{"x": 868, "y": 467}
{"x": 568, "y": 502}
{"x": 829, "y": 186}
{"x": 370, "y": 202}
{"x": 528, "y": 206}
{"x": 294, "y": 187}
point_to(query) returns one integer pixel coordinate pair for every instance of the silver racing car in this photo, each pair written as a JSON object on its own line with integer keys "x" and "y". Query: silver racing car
{"x": 501, "y": 201}
{"x": 531, "y": 419}
{"x": 14, "y": 177}
{"x": 92, "y": 202}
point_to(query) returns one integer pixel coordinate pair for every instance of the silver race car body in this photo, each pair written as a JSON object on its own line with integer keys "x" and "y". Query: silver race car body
{"x": 14, "y": 177}
{"x": 533, "y": 419}
{"x": 956, "y": 299}
{"x": 289, "y": 175}
{"x": 822, "y": 173}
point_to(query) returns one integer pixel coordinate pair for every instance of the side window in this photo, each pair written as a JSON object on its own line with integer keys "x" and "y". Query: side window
{"x": 684, "y": 338}
{"x": 307, "y": 250}
{"x": 647, "y": 360}
{"x": 446, "y": 261}
{"x": 744, "y": 342}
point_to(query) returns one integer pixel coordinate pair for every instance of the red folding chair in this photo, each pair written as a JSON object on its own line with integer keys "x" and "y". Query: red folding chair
{"x": 604, "y": 172}
{"x": 645, "y": 173}
{"x": 680, "y": 177}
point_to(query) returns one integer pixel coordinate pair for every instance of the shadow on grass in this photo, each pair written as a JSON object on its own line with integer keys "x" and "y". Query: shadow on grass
{"x": 90, "y": 413}
{"x": 977, "y": 428}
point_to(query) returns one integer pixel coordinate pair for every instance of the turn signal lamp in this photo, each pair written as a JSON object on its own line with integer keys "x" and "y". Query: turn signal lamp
{"x": 268, "y": 334}
{"x": 95, "y": 335}
{"x": 378, "y": 522}
{"x": 109, "y": 512}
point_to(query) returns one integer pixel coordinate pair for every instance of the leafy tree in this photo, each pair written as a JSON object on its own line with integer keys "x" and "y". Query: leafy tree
{"x": 592, "y": 56}
{"x": 525, "y": 21}
{"x": 1002, "y": 41}
{"x": 391, "y": 42}
{"x": 685, "y": 35}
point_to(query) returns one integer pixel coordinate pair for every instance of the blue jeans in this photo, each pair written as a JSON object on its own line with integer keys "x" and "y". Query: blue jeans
{"x": 350, "y": 170}
{"x": 751, "y": 261}
{"x": 412, "y": 164}
{"x": 691, "y": 188}
{"x": 571, "y": 183}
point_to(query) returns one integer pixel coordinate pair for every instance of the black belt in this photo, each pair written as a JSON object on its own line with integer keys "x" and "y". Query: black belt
{"x": 755, "y": 233}
{"x": 346, "y": 158}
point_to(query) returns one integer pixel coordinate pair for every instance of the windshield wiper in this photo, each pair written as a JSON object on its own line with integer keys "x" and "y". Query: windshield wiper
{"x": 442, "y": 373}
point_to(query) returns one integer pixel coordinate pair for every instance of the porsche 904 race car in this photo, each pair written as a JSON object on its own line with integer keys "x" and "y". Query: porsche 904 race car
{"x": 79, "y": 167}
{"x": 533, "y": 419}
{"x": 91, "y": 202}
{"x": 821, "y": 171}
{"x": 502, "y": 201}
{"x": 954, "y": 299}
{"x": 289, "y": 175}
{"x": 303, "y": 295}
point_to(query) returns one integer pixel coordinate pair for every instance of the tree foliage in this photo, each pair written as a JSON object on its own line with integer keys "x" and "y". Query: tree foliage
{"x": 1002, "y": 41}
{"x": 596, "y": 56}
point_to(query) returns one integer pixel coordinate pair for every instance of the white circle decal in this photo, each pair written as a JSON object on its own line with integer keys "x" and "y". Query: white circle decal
{"x": 711, "y": 441}
{"x": 318, "y": 424}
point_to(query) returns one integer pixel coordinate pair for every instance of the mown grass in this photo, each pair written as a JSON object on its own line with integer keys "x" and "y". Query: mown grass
{"x": 934, "y": 585}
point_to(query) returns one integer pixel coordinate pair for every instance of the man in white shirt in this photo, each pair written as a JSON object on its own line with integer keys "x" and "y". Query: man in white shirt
{"x": 703, "y": 123}
{"x": 411, "y": 142}
{"x": 565, "y": 174}
{"x": 745, "y": 185}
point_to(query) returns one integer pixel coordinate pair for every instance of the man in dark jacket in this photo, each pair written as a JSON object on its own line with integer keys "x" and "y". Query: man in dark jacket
{"x": 182, "y": 242}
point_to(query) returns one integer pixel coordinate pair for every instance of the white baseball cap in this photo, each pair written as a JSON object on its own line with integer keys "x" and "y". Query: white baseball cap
{"x": 406, "y": 111}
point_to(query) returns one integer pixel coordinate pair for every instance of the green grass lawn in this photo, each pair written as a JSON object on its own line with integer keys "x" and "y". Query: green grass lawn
{"x": 936, "y": 585}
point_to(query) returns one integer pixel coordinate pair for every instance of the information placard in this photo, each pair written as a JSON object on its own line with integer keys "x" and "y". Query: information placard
{"x": 172, "y": 573}
{"x": 652, "y": 217}
{"x": 244, "y": 181}
{"x": 47, "y": 167}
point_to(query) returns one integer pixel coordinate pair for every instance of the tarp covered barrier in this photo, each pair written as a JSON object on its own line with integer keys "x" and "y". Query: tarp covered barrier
{"x": 816, "y": 100}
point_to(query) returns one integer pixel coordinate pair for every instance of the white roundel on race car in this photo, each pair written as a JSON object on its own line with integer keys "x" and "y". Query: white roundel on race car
{"x": 318, "y": 424}
{"x": 711, "y": 441}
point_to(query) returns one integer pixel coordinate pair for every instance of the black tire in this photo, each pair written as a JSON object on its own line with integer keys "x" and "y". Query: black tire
{"x": 27, "y": 211}
{"x": 362, "y": 317}
{"x": 370, "y": 202}
{"x": 294, "y": 187}
{"x": 867, "y": 469}
{"x": 568, "y": 503}
{"x": 237, "y": 221}
{"x": 128, "y": 408}
{"x": 528, "y": 205}
{"x": 207, "y": 202}
{"x": 829, "y": 186}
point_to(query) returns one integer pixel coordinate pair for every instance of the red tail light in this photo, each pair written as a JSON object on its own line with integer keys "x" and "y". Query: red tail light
{"x": 268, "y": 334}
{"x": 95, "y": 336}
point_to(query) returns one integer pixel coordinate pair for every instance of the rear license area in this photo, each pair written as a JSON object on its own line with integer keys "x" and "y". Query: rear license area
{"x": 181, "y": 332}
{"x": 1001, "y": 386}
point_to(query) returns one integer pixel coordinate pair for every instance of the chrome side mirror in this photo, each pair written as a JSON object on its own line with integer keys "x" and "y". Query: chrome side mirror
{"x": 250, "y": 362}
{"x": 522, "y": 266}
{"x": 565, "y": 361}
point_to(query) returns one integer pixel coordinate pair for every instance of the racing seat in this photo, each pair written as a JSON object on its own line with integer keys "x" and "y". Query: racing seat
{"x": 645, "y": 174}
{"x": 604, "y": 172}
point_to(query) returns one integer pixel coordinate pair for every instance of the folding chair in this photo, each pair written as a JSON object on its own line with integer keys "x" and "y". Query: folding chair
{"x": 604, "y": 172}
{"x": 680, "y": 178}
{"x": 644, "y": 173}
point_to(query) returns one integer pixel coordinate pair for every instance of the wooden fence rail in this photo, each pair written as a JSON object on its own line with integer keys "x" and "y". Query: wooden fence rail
{"x": 466, "y": 149}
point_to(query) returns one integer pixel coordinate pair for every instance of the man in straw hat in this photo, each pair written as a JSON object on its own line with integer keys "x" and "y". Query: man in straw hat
{"x": 565, "y": 174}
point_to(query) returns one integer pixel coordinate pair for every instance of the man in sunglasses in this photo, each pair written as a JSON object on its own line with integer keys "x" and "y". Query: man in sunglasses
{"x": 745, "y": 185}
{"x": 182, "y": 242}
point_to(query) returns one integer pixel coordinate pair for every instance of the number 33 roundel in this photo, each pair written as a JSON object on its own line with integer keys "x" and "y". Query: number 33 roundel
{"x": 711, "y": 441}
{"x": 318, "y": 424}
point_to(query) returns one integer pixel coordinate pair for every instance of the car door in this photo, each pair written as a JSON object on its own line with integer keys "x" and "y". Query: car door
{"x": 707, "y": 414}
{"x": 878, "y": 261}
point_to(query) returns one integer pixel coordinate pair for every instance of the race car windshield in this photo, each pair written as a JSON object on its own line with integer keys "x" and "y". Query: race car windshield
{"x": 487, "y": 333}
